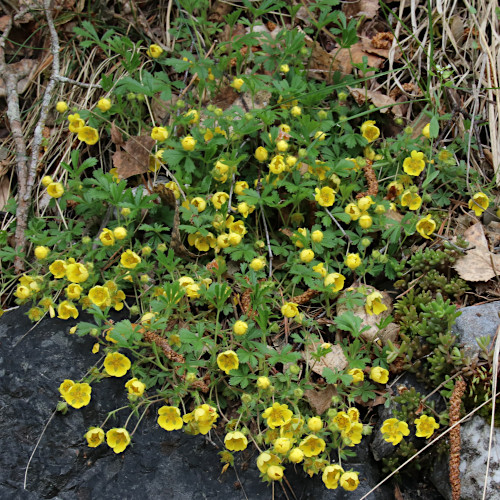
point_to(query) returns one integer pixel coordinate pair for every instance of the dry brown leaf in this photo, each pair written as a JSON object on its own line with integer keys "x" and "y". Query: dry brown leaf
{"x": 479, "y": 264}
{"x": 134, "y": 159}
{"x": 218, "y": 11}
{"x": 362, "y": 8}
{"x": 4, "y": 191}
{"x": 335, "y": 359}
{"x": 25, "y": 71}
{"x": 370, "y": 334}
{"x": 4, "y": 20}
{"x": 320, "y": 401}
{"x": 116, "y": 135}
{"x": 323, "y": 63}
{"x": 377, "y": 99}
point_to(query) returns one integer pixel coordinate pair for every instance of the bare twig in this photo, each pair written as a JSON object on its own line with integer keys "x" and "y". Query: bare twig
{"x": 269, "y": 249}
{"x": 337, "y": 224}
{"x": 64, "y": 79}
{"x": 26, "y": 175}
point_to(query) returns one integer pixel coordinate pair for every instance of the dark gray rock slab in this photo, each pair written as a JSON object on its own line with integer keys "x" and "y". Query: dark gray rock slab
{"x": 157, "y": 465}
{"x": 476, "y": 322}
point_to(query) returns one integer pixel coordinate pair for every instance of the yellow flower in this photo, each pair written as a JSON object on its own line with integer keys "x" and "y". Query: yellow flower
{"x": 235, "y": 441}
{"x": 369, "y": 131}
{"x": 22, "y": 292}
{"x": 320, "y": 269}
{"x": 479, "y": 203}
{"x": 154, "y": 51}
{"x": 277, "y": 415}
{"x": 55, "y": 189}
{"x": 317, "y": 236}
{"x": 261, "y": 155}
{"x": 353, "y": 261}
{"x": 46, "y": 180}
{"x": 66, "y": 310}
{"x": 240, "y": 327}
{"x": 99, "y": 295}
{"x": 240, "y": 186}
{"x": 202, "y": 243}
{"x": 277, "y": 165}
{"x": 426, "y": 131}
{"x": 120, "y": 233}
{"x": 129, "y": 259}
{"x": 365, "y": 221}
{"x": 227, "y": 361}
{"x": 349, "y": 481}
{"x": 89, "y": 135}
{"x": 193, "y": 115}
{"x": 61, "y": 107}
{"x": 289, "y": 309}
{"x": 104, "y": 104}
{"x": 263, "y": 383}
{"x": 169, "y": 418}
{"x": 291, "y": 161}
{"x": 284, "y": 68}
{"x": 42, "y": 252}
{"x": 296, "y": 455}
{"x": 188, "y": 143}
{"x": 365, "y": 203}
{"x": 199, "y": 203}
{"x": 282, "y": 146}
{"x": 258, "y": 263}
{"x": 425, "y": 426}
{"x": 237, "y": 84}
{"x": 94, "y": 437}
{"x": 414, "y": 164}
{"x": 275, "y": 472}
{"x": 296, "y": 111}
{"x": 244, "y": 209}
{"x": 426, "y": 226}
{"x": 282, "y": 445}
{"x": 411, "y": 200}
{"x": 75, "y": 123}
{"x": 135, "y": 387}
{"x": 312, "y": 446}
{"x": 78, "y": 395}
{"x": 76, "y": 272}
{"x": 353, "y": 414}
{"x": 321, "y": 136}
{"x": 95, "y": 348}
{"x": 342, "y": 421}
{"x": 354, "y": 434}
{"x": 352, "y": 211}
{"x": 159, "y": 134}
{"x": 306, "y": 255}
{"x": 325, "y": 196}
{"x": 379, "y": 374}
{"x": 394, "y": 430}
{"x": 357, "y": 375}
{"x": 266, "y": 460}
{"x": 107, "y": 237}
{"x": 65, "y": 386}
{"x": 374, "y": 304}
{"x": 315, "y": 424}
{"x": 118, "y": 439}
{"x": 331, "y": 476}
{"x": 116, "y": 364}
{"x": 334, "y": 282}
{"x": 218, "y": 199}
{"x": 204, "y": 417}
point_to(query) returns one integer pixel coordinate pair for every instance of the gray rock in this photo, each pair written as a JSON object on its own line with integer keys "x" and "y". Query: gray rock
{"x": 473, "y": 455}
{"x": 476, "y": 322}
{"x": 157, "y": 465}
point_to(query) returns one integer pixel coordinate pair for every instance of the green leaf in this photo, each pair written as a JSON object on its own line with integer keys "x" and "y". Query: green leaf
{"x": 434, "y": 127}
